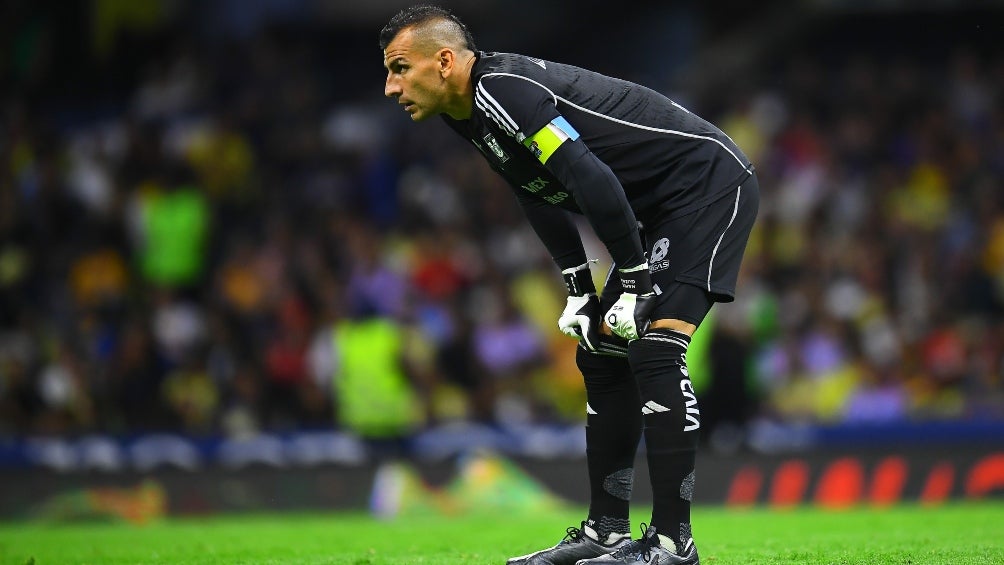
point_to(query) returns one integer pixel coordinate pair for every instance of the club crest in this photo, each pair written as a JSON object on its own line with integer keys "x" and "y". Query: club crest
{"x": 496, "y": 148}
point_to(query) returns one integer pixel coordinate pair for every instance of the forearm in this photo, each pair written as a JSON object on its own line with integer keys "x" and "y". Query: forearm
{"x": 556, "y": 230}
{"x": 601, "y": 198}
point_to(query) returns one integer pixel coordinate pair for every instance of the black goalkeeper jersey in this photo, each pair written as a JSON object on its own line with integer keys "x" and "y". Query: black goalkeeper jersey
{"x": 668, "y": 160}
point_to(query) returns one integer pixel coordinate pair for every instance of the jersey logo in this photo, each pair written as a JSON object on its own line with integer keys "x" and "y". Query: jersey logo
{"x": 538, "y": 184}
{"x": 658, "y": 261}
{"x": 693, "y": 413}
{"x": 538, "y": 62}
{"x": 535, "y": 185}
{"x": 534, "y": 148}
{"x": 496, "y": 148}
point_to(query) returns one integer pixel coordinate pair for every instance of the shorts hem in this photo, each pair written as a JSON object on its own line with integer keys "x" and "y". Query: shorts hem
{"x": 718, "y": 293}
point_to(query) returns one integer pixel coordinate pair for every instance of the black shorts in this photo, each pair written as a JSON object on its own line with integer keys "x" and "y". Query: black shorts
{"x": 694, "y": 259}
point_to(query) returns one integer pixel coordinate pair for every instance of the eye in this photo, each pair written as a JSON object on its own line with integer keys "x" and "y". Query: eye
{"x": 397, "y": 68}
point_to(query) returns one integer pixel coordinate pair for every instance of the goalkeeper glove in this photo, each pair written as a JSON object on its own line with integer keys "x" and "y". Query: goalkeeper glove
{"x": 578, "y": 320}
{"x": 629, "y": 316}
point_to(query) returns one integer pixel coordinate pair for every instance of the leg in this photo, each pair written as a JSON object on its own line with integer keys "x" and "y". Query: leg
{"x": 695, "y": 262}
{"x": 613, "y": 430}
{"x": 671, "y": 415}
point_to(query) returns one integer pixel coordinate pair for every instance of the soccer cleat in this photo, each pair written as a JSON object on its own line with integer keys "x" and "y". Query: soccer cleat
{"x": 648, "y": 551}
{"x": 577, "y": 545}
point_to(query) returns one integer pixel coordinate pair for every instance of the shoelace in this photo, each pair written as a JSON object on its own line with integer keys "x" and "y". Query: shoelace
{"x": 572, "y": 535}
{"x": 640, "y": 547}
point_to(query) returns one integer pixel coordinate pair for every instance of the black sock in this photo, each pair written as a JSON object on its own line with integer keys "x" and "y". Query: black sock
{"x": 605, "y": 525}
{"x": 613, "y": 430}
{"x": 672, "y": 420}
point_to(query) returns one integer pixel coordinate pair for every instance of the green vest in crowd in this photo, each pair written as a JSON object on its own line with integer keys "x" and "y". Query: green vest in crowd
{"x": 175, "y": 226}
{"x": 374, "y": 397}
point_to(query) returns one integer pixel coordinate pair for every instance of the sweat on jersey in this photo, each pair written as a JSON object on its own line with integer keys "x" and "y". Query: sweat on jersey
{"x": 571, "y": 140}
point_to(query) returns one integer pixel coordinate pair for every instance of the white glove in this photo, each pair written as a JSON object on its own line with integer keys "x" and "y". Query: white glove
{"x": 577, "y": 320}
{"x": 629, "y": 316}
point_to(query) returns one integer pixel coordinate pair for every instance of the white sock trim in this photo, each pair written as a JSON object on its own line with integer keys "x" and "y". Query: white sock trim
{"x": 667, "y": 543}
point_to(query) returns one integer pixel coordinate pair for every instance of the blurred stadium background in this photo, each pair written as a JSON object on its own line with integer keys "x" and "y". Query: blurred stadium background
{"x": 234, "y": 277}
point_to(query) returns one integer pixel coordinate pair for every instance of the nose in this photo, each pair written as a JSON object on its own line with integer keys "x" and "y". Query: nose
{"x": 391, "y": 88}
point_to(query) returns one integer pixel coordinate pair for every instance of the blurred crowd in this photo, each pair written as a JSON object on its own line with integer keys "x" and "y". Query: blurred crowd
{"x": 240, "y": 246}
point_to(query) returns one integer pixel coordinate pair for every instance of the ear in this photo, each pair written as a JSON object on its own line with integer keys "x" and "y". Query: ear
{"x": 445, "y": 59}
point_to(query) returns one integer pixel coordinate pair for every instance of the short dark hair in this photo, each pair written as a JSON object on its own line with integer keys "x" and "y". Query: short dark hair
{"x": 421, "y": 14}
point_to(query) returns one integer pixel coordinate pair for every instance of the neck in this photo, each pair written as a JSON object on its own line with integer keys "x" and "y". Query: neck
{"x": 464, "y": 99}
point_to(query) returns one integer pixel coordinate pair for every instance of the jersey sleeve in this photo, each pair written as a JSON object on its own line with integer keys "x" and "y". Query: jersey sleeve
{"x": 519, "y": 105}
{"x": 602, "y": 200}
{"x": 556, "y": 230}
{"x": 526, "y": 111}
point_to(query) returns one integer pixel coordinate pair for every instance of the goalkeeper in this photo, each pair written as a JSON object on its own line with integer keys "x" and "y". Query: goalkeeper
{"x": 649, "y": 176}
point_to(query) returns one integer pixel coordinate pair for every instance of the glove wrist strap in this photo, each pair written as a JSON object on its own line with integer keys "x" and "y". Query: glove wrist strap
{"x": 579, "y": 280}
{"x": 637, "y": 279}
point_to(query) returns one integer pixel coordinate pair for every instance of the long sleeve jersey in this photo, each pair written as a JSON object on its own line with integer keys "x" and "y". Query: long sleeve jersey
{"x": 567, "y": 139}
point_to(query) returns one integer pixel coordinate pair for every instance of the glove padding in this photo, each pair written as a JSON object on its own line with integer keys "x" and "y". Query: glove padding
{"x": 578, "y": 320}
{"x": 629, "y": 316}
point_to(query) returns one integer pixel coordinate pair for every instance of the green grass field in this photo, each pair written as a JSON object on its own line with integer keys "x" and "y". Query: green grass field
{"x": 957, "y": 534}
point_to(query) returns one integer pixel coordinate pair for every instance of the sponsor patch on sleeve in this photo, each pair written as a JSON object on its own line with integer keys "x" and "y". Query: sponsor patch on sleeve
{"x": 545, "y": 142}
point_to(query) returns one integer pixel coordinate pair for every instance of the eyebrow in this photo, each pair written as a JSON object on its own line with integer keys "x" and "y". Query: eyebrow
{"x": 396, "y": 60}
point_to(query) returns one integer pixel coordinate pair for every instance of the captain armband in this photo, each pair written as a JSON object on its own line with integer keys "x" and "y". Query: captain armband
{"x": 545, "y": 142}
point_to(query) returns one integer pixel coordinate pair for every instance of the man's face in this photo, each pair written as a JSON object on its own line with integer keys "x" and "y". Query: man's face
{"x": 413, "y": 77}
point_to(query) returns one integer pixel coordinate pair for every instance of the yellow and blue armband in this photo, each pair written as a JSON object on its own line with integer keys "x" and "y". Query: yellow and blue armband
{"x": 545, "y": 142}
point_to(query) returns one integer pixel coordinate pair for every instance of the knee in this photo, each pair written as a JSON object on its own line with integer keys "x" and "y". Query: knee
{"x": 659, "y": 363}
{"x": 658, "y": 351}
{"x": 602, "y": 371}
